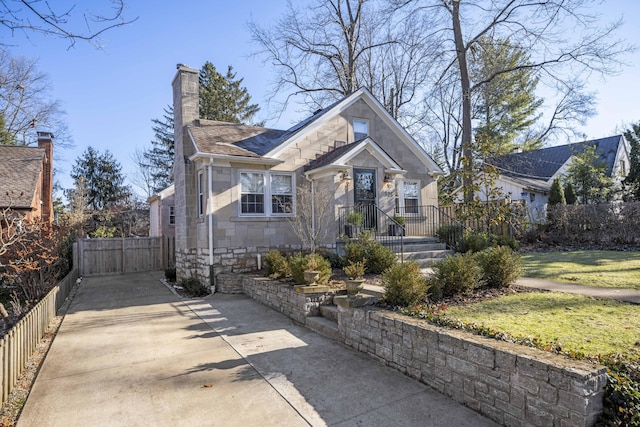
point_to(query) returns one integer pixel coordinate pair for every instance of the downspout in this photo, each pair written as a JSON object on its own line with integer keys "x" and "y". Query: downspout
{"x": 210, "y": 215}
{"x": 313, "y": 211}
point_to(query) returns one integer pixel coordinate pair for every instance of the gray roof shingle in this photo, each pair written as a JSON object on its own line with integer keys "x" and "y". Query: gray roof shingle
{"x": 544, "y": 163}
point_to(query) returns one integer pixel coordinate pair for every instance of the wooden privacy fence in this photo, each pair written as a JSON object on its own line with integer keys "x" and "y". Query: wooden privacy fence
{"x": 124, "y": 255}
{"x": 19, "y": 343}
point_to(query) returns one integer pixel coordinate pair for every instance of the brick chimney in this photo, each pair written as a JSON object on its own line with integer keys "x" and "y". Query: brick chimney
{"x": 45, "y": 140}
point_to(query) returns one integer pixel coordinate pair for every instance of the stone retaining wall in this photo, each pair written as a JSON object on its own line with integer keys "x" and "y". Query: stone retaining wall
{"x": 510, "y": 384}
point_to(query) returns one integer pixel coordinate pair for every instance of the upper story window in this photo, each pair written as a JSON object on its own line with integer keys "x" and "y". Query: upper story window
{"x": 408, "y": 197}
{"x": 267, "y": 193}
{"x": 360, "y": 129}
{"x": 172, "y": 215}
{"x": 200, "y": 190}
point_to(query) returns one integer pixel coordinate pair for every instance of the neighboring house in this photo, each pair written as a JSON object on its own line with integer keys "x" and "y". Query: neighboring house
{"x": 26, "y": 178}
{"x": 528, "y": 175}
{"x": 162, "y": 216}
{"x": 236, "y": 185}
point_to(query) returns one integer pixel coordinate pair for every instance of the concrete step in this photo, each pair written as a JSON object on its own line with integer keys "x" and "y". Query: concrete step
{"x": 329, "y": 312}
{"x": 414, "y": 256}
{"x": 324, "y": 326}
{"x": 423, "y": 247}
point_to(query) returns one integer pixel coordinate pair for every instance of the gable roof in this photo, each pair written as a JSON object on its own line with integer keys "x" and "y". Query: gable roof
{"x": 254, "y": 142}
{"x": 341, "y": 155}
{"x": 20, "y": 168}
{"x": 543, "y": 164}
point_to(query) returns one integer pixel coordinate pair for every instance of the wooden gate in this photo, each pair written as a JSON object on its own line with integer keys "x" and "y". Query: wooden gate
{"x": 122, "y": 255}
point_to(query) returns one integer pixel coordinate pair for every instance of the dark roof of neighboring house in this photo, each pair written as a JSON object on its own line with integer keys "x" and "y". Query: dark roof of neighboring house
{"x": 20, "y": 168}
{"x": 544, "y": 163}
{"x": 242, "y": 140}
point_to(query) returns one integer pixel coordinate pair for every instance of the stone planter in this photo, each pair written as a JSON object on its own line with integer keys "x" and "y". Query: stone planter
{"x": 354, "y": 286}
{"x": 311, "y": 276}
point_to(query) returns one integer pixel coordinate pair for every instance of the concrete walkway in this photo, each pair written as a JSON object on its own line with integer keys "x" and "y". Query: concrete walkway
{"x": 626, "y": 295}
{"x": 130, "y": 353}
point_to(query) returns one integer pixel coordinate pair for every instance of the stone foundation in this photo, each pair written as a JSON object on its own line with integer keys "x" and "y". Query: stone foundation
{"x": 508, "y": 383}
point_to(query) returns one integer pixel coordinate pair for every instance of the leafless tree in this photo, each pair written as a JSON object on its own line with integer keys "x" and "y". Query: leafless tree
{"x": 69, "y": 22}
{"x": 313, "y": 215}
{"x": 566, "y": 40}
{"x": 334, "y": 47}
{"x": 25, "y": 103}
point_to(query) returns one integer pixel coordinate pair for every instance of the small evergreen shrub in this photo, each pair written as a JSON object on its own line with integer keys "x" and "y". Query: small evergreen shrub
{"x": 452, "y": 236}
{"x": 276, "y": 265}
{"x": 354, "y": 218}
{"x": 170, "y": 274}
{"x": 622, "y": 392}
{"x": 334, "y": 259}
{"x": 476, "y": 241}
{"x": 510, "y": 241}
{"x": 354, "y": 251}
{"x": 299, "y": 263}
{"x": 379, "y": 257}
{"x": 459, "y": 273}
{"x": 500, "y": 266}
{"x": 404, "y": 285}
{"x": 194, "y": 288}
{"x": 355, "y": 270}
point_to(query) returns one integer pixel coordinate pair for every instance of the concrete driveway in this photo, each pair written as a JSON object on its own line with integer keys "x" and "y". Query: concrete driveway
{"x": 130, "y": 353}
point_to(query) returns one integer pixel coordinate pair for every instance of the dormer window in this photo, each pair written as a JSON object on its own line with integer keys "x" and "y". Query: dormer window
{"x": 360, "y": 129}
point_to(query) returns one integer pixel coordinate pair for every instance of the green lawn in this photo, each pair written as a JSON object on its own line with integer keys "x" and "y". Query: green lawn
{"x": 575, "y": 322}
{"x": 612, "y": 269}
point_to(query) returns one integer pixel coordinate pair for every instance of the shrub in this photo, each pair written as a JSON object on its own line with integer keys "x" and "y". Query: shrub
{"x": 622, "y": 392}
{"x": 404, "y": 284}
{"x": 500, "y": 266}
{"x": 459, "y": 273}
{"x": 452, "y": 236}
{"x": 378, "y": 256}
{"x": 334, "y": 259}
{"x": 276, "y": 265}
{"x": 194, "y": 288}
{"x": 355, "y": 270}
{"x": 475, "y": 241}
{"x": 299, "y": 263}
{"x": 354, "y": 251}
{"x": 354, "y": 218}
{"x": 170, "y": 274}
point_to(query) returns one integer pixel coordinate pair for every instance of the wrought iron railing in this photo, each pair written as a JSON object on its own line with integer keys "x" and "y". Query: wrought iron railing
{"x": 353, "y": 220}
{"x": 414, "y": 221}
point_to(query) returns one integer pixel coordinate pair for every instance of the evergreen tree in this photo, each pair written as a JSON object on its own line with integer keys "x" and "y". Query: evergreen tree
{"x": 506, "y": 105}
{"x": 632, "y": 181}
{"x": 103, "y": 178}
{"x": 223, "y": 98}
{"x": 588, "y": 176}
{"x": 570, "y": 194}
{"x": 159, "y": 158}
{"x": 556, "y": 194}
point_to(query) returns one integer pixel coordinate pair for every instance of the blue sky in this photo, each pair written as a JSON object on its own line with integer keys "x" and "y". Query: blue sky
{"x": 111, "y": 95}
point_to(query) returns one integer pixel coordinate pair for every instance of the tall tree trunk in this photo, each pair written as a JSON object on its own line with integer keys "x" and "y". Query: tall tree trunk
{"x": 467, "y": 151}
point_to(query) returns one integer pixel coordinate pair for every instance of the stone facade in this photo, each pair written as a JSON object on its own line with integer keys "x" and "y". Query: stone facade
{"x": 508, "y": 383}
{"x": 208, "y": 171}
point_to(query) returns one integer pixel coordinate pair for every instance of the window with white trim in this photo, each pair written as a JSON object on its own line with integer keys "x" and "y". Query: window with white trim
{"x": 172, "y": 215}
{"x": 360, "y": 129}
{"x": 200, "y": 189}
{"x": 408, "y": 197}
{"x": 266, "y": 193}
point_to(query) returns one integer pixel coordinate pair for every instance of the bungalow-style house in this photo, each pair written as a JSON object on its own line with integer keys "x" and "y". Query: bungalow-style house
{"x": 237, "y": 186}
{"x": 527, "y": 176}
{"x": 26, "y": 179}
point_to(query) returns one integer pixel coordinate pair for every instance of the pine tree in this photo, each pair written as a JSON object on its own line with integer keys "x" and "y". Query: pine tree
{"x": 632, "y": 181}
{"x": 103, "y": 178}
{"x": 506, "y": 105}
{"x": 159, "y": 158}
{"x": 588, "y": 176}
{"x": 556, "y": 194}
{"x": 223, "y": 98}
{"x": 570, "y": 194}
